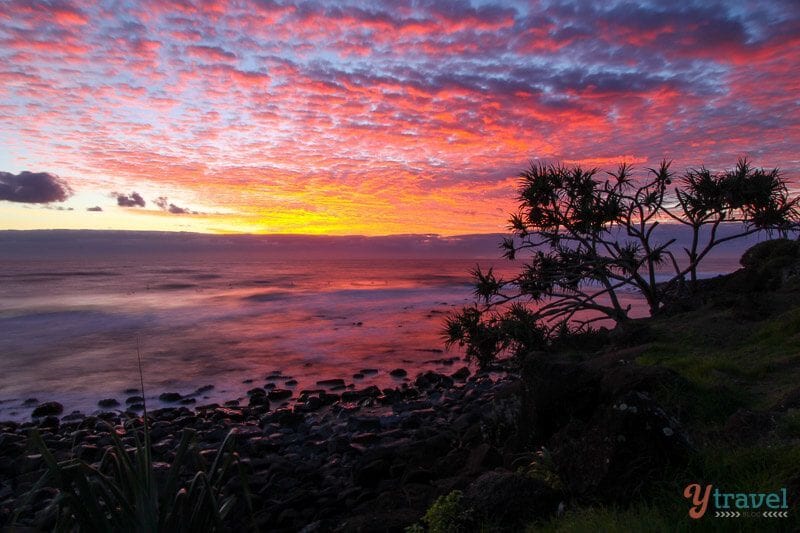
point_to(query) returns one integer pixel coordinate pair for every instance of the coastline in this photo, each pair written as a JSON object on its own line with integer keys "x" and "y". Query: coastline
{"x": 332, "y": 460}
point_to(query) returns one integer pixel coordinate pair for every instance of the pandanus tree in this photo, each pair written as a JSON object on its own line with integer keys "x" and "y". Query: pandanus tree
{"x": 583, "y": 238}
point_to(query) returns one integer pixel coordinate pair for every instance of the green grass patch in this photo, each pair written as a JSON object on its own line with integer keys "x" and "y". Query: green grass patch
{"x": 642, "y": 517}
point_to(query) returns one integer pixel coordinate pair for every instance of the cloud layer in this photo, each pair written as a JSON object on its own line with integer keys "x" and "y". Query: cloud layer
{"x": 384, "y": 117}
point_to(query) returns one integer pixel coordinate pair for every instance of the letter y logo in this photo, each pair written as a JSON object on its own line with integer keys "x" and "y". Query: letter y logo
{"x": 699, "y": 500}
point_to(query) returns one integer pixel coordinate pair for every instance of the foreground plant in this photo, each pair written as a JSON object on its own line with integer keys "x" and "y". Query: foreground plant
{"x": 123, "y": 493}
{"x": 585, "y": 239}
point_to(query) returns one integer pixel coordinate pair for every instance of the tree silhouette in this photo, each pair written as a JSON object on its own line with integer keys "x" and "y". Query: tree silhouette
{"x": 584, "y": 239}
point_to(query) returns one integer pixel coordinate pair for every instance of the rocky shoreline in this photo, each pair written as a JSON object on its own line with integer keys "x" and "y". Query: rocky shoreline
{"x": 333, "y": 458}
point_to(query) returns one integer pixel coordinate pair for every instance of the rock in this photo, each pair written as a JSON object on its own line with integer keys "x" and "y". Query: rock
{"x": 134, "y": 399}
{"x": 160, "y": 429}
{"x": 283, "y": 417}
{"x": 290, "y": 383}
{"x": 358, "y": 375}
{"x": 169, "y": 397}
{"x": 30, "y": 402}
{"x": 88, "y": 452}
{"x": 73, "y": 417}
{"x": 368, "y": 371}
{"x": 232, "y": 414}
{"x": 108, "y": 403}
{"x": 328, "y": 398}
{"x": 259, "y": 400}
{"x": 398, "y": 373}
{"x": 50, "y": 422}
{"x": 430, "y": 379}
{"x": 204, "y": 389}
{"x": 311, "y": 403}
{"x": 461, "y": 374}
{"x": 509, "y": 500}
{"x": 48, "y": 409}
{"x": 365, "y": 437}
{"x": 331, "y": 383}
{"x": 257, "y": 391}
{"x": 356, "y": 395}
{"x": 130, "y": 391}
{"x": 370, "y": 474}
{"x": 279, "y": 394}
{"x": 188, "y": 401}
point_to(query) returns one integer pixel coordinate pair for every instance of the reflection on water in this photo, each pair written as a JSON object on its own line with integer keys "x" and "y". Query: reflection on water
{"x": 69, "y": 331}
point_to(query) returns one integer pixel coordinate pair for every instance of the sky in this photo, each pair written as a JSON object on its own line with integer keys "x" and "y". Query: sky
{"x": 370, "y": 117}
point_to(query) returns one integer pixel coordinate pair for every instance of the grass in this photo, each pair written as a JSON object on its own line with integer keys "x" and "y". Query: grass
{"x": 736, "y": 352}
{"x": 743, "y": 469}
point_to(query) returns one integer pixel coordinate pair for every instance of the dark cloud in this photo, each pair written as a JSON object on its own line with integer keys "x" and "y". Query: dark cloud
{"x": 134, "y": 200}
{"x": 95, "y": 209}
{"x": 33, "y": 188}
{"x": 174, "y": 209}
{"x": 165, "y": 205}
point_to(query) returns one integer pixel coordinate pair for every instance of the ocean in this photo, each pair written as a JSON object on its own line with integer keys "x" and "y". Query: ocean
{"x": 72, "y": 318}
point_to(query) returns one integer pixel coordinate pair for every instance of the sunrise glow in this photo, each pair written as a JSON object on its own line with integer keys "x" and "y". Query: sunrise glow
{"x": 371, "y": 118}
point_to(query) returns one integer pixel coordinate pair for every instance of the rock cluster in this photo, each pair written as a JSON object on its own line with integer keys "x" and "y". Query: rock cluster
{"x": 355, "y": 460}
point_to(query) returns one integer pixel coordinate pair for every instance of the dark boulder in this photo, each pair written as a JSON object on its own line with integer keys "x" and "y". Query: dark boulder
{"x": 48, "y": 409}
{"x": 169, "y": 397}
{"x": 431, "y": 379}
{"x": 461, "y": 374}
{"x": 259, "y": 400}
{"x": 331, "y": 383}
{"x": 279, "y": 394}
{"x": 371, "y": 473}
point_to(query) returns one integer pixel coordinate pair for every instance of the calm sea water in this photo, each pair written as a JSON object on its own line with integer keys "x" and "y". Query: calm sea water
{"x": 69, "y": 328}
